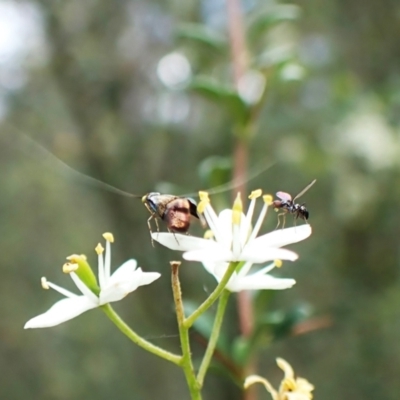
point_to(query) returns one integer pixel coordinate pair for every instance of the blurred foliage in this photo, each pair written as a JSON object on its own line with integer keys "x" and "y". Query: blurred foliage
{"x": 88, "y": 87}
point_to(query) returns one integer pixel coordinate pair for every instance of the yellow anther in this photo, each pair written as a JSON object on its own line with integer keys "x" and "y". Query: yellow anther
{"x": 76, "y": 257}
{"x": 208, "y": 234}
{"x": 237, "y": 210}
{"x": 268, "y": 199}
{"x": 109, "y": 237}
{"x": 255, "y": 193}
{"x": 278, "y": 263}
{"x": 288, "y": 385}
{"x": 204, "y": 196}
{"x": 202, "y": 206}
{"x": 43, "y": 281}
{"x": 99, "y": 249}
{"x": 69, "y": 267}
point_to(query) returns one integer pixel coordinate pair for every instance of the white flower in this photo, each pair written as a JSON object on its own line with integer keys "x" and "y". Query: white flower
{"x": 124, "y": 280}
{"x": 236, "y": 241}
{"x": 291, "y": 388}
{"x": 243, "y": 280}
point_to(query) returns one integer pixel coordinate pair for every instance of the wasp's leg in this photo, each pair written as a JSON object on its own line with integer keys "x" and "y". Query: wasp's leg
{"x": 279, "y": 220}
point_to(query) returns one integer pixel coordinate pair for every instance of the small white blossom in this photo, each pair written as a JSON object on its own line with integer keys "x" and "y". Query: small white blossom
{"x": 234, "y": 240}
{"x": 291, "y": 388}
{"x": 110, "y": 288}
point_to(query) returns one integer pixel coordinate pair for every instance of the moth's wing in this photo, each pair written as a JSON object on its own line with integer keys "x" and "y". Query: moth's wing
{"x": 193, "y": 211}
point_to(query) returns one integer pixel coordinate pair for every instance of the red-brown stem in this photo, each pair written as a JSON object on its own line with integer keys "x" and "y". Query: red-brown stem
{"x": 239, "y": 63}
{"x": 237, "y": 39}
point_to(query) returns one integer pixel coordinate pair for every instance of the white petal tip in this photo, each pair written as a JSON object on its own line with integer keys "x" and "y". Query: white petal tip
{"x": 32, "y": 325}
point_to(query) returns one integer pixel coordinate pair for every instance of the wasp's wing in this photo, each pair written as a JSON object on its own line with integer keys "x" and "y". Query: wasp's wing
{"x": 284, "y": 196}
{"x": 55, "y": 163}
{"x": 305, "y": 189}
{"x": 235, "y": 182}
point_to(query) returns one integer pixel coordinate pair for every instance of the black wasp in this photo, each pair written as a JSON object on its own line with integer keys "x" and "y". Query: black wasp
{"x": 287, "y": 205}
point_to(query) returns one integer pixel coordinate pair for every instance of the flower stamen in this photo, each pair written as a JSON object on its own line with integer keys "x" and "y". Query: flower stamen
{"x": 43, "y": 281}
{"x": 99, "y": 249}
{"x": 237, "y": 210}
{"x": 267, "y": 201}
{"x": 109, "y": 237}
{"x": 209, "y": 213}
{"x": 69, "y": 267}
{"x": 208, "y": 234}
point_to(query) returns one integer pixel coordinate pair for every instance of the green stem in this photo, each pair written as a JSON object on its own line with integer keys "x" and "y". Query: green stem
{"x": 144, "y": 344}
{"x": 186, "y": 364}
{"x": 213, "y": 296}
{"x": 223, "y": 301}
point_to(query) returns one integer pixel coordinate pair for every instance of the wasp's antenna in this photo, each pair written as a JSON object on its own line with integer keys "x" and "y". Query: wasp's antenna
{"x": 305, "y": 190}
{"x": 49, "y": 157}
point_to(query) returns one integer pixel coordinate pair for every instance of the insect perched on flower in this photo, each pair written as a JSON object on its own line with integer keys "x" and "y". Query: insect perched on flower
{"x": 174, "y": 210}
{"x": 287, "y": 205}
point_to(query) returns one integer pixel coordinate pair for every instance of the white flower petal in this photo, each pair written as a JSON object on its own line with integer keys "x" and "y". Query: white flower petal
{"x": 225, "y": 227}
{"x": 61, "y": 311}
{"x": 298, "y": 396}
{"x": 282, "y": 237}
{"x": 210, "y": 266}
{"x": 124, "y": 281}
{"x": 257, "y": 254}
{"x": 83, "y": 288}
{"x": 148, "y": 277}
{"x": 176, "y": 241}
{"x": 258, "y": 282}
{"x": 124, "y": 272}
{"x": 214, "y": 223}
{"x": 216, "y": 269}
{"x": 214, "y": 253}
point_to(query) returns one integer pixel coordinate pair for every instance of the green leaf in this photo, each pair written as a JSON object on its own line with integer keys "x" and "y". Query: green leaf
{"x": 215, "y": 170}
{"x": 201, "y": 34}
{"x": 269, "y": 17}
{"x": 223, "y": 95}
{"x": 280, "y": 324}
{"x": 274, "y": 57}
{"x": 241, "y": 349}
{"x": 272, "y": 326}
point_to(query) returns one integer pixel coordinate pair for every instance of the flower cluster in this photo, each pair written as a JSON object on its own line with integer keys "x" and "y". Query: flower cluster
{"x": 109, "y": 288}
{"x": 233, "y": 239}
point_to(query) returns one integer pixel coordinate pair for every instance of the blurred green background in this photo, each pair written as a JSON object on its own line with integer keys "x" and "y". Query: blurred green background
{"x": 116, "y": 90}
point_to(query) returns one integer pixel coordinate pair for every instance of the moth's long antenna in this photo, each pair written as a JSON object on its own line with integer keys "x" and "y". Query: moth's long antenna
{"x": 236, "y": 182}
{"x": 47, "y": 155}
